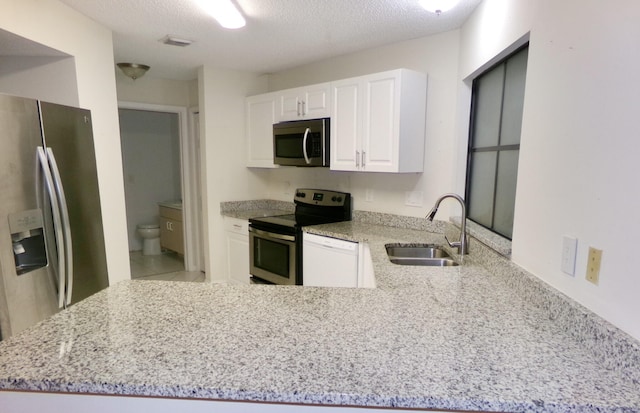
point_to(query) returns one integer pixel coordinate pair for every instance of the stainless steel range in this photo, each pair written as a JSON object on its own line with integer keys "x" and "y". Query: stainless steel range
{"x": 275, "y": 243}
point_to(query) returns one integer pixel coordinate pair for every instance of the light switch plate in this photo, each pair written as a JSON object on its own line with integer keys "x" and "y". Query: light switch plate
{"x": 569, "y": 247}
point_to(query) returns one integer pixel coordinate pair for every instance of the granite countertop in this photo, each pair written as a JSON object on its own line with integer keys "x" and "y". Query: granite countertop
{"x": 255, "y": 213}
{"x": 254, "y": 209}
{"x": 427, "y": 338}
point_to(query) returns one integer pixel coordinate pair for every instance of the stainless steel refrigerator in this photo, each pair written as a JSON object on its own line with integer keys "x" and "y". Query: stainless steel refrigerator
{"x": 52, "y": 250}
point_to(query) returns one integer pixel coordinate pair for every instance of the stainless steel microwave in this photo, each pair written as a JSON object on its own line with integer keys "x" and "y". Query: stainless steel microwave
{"x": 301, "y": 143}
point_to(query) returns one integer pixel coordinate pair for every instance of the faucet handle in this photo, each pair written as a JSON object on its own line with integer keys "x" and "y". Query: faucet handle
{"x": 455, "y": 244}
{"x": 458, "y": 244}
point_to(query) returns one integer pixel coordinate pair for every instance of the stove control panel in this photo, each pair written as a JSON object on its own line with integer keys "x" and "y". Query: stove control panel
{"x": 322, "y": 197}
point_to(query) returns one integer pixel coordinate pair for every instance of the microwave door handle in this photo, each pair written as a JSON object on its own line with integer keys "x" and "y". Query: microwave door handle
{"x": 304, "y": 146}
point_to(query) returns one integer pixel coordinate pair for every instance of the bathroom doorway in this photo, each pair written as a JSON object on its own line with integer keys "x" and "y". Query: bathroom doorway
{"x": 161, "y": 192}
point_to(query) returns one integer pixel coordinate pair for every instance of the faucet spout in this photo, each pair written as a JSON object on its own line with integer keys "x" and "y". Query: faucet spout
{"x": 432, "y": 213}
{"x": 461, "y": 245}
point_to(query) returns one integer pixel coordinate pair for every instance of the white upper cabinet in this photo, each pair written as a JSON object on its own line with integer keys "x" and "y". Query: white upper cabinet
{"x": 260, "y": 117}
{"x": 308, "y": 102}
{"x": 346, "y": 123}
{"x": 378, "y": 122}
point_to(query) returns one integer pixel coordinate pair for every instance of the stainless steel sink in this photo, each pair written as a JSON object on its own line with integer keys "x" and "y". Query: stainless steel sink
{"x": 419, "y": 254}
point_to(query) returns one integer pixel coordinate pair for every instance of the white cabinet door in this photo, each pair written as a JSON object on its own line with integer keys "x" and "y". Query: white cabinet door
{"x": 237, "y": 240}
{"x": 380, "y": 113}
{"x": 260, "y": 117}
{"x": 345, "y": 147}
{"x": 317, "y": 101}
{"x": 290, "y": 105}
{"x": 378, "y": 122}
{"x": 309, "y": 102}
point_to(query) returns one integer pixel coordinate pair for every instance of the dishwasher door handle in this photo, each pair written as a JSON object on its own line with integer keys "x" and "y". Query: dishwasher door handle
{"x": 330, "y": 243}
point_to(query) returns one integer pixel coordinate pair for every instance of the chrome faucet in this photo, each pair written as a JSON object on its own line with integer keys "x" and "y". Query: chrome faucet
{"x": 462, "y": 244}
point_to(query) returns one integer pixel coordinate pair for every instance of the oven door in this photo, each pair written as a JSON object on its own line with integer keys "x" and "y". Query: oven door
{"x": 272, "y": 256}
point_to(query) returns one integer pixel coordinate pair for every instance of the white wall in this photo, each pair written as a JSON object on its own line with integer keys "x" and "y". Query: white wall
{"x": 225, "y": 178}
{"x": 437, "y": 56}
{"x": 30, "y": 77}
{"x": 151, "y": 164}
{"x": 579, "y": 151}
{"x": 149, "y": 89}
{"x": 57, "y": 26}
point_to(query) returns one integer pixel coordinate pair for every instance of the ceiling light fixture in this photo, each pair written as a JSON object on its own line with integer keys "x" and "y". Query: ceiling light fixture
{"x": 438, "y": 6}
{"x": 133, "y": 70}
{"x": 225, "y": 12}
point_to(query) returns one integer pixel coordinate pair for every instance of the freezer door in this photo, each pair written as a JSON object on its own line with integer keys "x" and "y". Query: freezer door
{"x": 28, "y": 292}
{"x": 69, "y": 134}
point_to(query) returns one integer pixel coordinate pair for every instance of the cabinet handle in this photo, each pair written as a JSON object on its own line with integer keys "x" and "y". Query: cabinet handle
{"x": 357, "y": 159}
{"x": 237, "y": 226}
{"x": 363, "y": 156}
{"x": 304, "y": 108}
{"x": 169, "y": 226}
{"x": 298, "y": 108}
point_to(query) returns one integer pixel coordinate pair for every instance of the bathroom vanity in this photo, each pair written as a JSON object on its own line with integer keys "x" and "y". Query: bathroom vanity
{"x": 171, "y": 227}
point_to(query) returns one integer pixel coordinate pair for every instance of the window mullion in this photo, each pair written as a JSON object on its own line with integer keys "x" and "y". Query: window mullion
{"x": 496, "y": 174}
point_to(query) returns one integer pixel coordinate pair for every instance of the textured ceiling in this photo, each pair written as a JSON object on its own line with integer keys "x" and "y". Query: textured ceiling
{"x": 279, "y": 33}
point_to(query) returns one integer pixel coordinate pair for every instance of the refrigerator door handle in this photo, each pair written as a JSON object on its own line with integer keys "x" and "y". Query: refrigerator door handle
{"x": 57, "y": 223}
{"x": 66, "y": 226}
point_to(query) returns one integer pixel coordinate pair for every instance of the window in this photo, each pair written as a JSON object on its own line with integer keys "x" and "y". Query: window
{"x": 494, "y": 143}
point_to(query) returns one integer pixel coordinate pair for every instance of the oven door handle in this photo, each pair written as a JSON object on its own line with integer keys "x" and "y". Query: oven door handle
{"x": 266, "y": 234}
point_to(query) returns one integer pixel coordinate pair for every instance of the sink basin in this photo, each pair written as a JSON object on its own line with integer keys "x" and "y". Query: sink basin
{"x": 419, "y": 254}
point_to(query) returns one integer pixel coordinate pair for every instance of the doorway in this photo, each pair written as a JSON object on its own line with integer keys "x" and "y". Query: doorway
{"x": 161, "y": 189}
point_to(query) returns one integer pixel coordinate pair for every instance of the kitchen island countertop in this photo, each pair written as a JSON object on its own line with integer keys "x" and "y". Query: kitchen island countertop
{"x": 426, "y": 337}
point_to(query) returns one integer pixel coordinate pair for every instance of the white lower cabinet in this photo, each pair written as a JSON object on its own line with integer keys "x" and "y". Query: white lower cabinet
{"x": 237, "y": 242}
{"x": 331, "y": 262}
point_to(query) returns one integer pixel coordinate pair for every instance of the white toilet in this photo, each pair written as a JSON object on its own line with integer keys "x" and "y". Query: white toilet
{"x": 150, "y": 234}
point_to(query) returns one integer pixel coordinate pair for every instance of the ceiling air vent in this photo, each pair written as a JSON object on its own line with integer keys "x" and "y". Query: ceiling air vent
{"x": 176, "y": 41}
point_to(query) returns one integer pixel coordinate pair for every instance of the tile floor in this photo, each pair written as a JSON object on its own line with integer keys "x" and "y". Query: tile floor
{"x": 168, "y": 266}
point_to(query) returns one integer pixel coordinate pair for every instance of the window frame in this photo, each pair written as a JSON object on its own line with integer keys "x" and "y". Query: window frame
{"x": 498, "y": 148}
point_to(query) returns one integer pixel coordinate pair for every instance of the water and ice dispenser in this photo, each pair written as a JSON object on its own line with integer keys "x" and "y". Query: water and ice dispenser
{"x": 27, "y": 236}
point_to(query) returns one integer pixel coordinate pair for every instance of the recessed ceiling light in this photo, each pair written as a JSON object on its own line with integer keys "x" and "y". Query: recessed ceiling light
{"x": 225, "y": 12}
{"x": 438, "y": 6}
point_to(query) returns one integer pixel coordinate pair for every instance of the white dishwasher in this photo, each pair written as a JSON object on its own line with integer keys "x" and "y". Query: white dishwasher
{"x": 329, "y": 262}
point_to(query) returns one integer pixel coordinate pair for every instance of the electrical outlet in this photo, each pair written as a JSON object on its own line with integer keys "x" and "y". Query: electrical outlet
{"x": 593, "y": 265}
{"x": 368, "y": 195}
{"x": 413, "y": 198}
{"x": 569, "y": 247}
